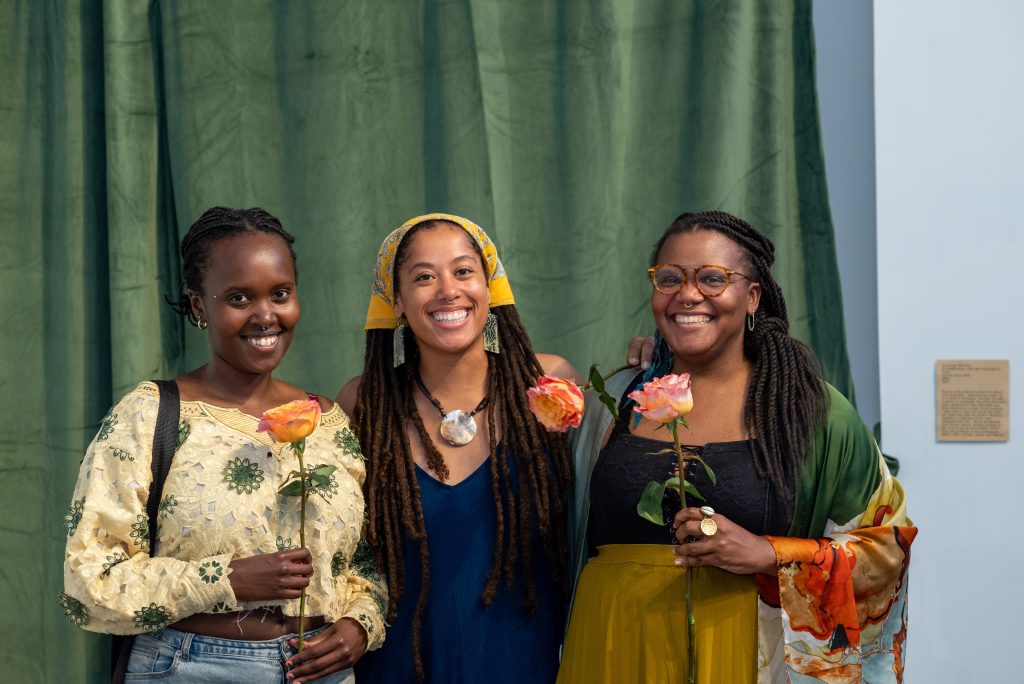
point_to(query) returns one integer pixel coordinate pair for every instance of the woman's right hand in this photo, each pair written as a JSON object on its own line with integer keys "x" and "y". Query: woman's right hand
{"x": 271, "y": 576}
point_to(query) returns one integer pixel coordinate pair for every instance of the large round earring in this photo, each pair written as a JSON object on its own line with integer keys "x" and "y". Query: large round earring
{"x": 201, "y": 324}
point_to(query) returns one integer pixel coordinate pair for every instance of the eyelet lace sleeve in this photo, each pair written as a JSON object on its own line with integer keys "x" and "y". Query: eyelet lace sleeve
{"x": 111, "y": 582}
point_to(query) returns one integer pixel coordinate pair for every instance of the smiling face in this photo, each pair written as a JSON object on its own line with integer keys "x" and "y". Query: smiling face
{"x": 700, "y": 329}
{"x": 442, "y": 289}
{"x": 250, "y": 301}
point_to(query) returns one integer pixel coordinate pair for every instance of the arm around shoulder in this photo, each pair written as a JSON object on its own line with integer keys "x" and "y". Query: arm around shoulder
{"x": 559, "y": 367}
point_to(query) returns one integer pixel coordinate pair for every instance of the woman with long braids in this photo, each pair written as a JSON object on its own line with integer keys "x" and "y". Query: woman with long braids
{"x": 799, "y": 555}
{"x": 466, "y": 492}
{"x": 215, "y": 596}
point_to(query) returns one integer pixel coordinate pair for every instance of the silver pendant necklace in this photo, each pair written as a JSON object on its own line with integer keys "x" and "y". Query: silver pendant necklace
{"x": 457, "y": 427}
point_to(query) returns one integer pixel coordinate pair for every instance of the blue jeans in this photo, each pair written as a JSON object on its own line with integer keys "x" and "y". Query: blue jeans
{"x": 183, "y": 658}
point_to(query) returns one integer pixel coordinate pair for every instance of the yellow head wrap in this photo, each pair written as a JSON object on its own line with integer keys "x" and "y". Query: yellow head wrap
{"x": 381, "y": 312}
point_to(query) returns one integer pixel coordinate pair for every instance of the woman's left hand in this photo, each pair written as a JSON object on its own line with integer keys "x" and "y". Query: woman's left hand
{"x": 336, "y": 648}
{"x": 731, "y": 548}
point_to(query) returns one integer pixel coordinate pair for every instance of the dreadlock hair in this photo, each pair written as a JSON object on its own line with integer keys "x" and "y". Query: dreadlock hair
{"x": 216, "y": 224}
{"x": 532, "y": 503}
{"x": 786, "y": 399}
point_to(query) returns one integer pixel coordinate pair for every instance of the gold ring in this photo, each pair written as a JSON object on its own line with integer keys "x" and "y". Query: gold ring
{"x": 708, "y": 526}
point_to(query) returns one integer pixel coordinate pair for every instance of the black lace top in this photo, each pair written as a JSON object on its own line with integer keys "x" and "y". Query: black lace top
{"x": 628, "y": 462}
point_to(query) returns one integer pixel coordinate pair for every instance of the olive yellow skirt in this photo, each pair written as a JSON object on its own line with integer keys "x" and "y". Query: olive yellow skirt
{"x": 628, "y": 621}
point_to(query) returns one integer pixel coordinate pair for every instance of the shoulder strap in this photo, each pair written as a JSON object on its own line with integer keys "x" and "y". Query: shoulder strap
{"x": 165, "y": 440}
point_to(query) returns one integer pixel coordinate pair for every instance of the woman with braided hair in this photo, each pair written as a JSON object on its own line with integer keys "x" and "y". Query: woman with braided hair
{"x": 215, "y": 596}
{"x": 465, "y": 489}
{"x": 799, "y": 549}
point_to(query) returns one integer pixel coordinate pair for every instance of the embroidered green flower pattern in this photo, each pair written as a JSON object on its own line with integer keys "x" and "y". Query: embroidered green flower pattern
{"x": 106, "y": 426}
{"x": 183, "y": 432}
{"x": 346, "y": 439}
{"x": 326, "y": 490}
{"x": 167, "y": 505}
{"x": 365, "y": 621}
{"x": 338, "y": 562}
{"x": 364, "y": 564}
{"x": 140, "y": 531}
{"x": 285, "y": 544}
{"x": 121, "y": 454}
{"x": 152, "y": 618}
{"x": 117, "y": 557}
{"x": 219, "y": 607}
{"x": 243, "y": 475}
{"x": 74, "y": 516}
{"x": 381, "y": 607}
{"x": 211, "y": 572}
{"x": 74, "y": 609}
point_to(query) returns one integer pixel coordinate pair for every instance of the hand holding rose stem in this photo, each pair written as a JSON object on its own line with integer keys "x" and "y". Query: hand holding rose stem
{"x": 667, "y": 400}
{"x": 292, "y": 423}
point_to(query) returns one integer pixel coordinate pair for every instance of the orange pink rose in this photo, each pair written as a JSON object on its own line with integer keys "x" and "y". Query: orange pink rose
{"x": 292, "y": 421}
{"x": 664, "y": 399}
{"x": 557, "y": 403}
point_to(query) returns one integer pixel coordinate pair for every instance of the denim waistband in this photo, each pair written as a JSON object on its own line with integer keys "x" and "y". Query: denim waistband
{"x": 187, "y": 642}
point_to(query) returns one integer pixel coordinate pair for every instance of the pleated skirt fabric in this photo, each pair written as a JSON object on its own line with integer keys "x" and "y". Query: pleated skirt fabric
{"x": 628, "y": 621}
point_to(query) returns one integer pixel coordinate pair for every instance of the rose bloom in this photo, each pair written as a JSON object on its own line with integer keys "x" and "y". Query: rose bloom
{"x": 292, "y": 421}
{"x": 557, "y": 403}
{"x": 664, "y": 399}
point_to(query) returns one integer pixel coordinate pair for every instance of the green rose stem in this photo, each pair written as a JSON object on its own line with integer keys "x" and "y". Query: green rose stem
{"x": 299, "y": 447}
{"x": 691, "y": 622}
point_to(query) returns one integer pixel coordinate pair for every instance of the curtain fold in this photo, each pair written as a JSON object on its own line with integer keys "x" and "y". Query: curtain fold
{"x": 573, "y": 131}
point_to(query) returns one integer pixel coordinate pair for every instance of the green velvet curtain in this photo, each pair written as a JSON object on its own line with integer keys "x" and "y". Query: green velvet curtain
{"x": 574, "y": 131}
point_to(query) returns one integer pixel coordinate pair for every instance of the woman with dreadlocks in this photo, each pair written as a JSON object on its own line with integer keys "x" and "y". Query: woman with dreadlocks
{"x": 799, "y": 550}
{"x": 465, "y": 489}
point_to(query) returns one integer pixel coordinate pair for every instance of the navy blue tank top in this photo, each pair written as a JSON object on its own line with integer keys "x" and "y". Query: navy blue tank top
{"x": 464, "y": 640}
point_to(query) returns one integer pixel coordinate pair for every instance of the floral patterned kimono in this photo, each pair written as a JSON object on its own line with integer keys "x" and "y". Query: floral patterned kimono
{"x": 836, "y": 608}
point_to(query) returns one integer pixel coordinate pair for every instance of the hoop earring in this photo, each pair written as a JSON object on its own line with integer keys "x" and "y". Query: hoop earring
{"x": 750, "y": 322}
{"x": 491, "y": 334}
{"x": 201, "y": 324}
{"x": 398, "y": 344}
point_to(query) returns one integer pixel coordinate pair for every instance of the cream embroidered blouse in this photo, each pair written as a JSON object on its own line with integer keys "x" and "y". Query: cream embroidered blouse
{"x": 220, "y": 502}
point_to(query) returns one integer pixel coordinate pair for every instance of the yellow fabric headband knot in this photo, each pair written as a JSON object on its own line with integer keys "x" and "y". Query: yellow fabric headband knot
{"x": 381, "y": 312}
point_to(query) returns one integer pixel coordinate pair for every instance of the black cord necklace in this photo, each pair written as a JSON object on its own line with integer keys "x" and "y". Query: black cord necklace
{"x": 457, "y": 427}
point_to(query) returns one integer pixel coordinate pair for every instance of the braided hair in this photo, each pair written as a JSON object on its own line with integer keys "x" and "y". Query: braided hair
{"x": 786, "y": 399}
{"x": 528, "y": 504}
{"x": 216, "y": 224}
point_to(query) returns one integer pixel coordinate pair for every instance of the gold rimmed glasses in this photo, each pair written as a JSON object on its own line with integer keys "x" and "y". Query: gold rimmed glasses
{"x": 710, "y": 280}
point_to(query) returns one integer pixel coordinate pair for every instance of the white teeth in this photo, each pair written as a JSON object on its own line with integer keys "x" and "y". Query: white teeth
{"x": 268, "y": 341}
{"x": 449, "y": 316}
{"x": 702, "y": 318}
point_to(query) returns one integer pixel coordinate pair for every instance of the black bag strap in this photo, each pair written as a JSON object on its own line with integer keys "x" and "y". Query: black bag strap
{"x": 165, "y": 441}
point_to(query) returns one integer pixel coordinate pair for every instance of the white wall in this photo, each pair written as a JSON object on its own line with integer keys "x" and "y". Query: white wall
{"x": 949, "y": 105}
{"x": 842, "y": 38}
